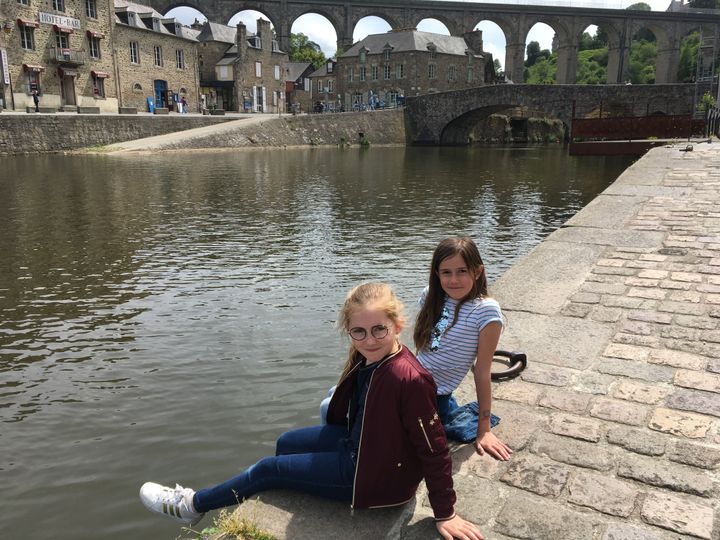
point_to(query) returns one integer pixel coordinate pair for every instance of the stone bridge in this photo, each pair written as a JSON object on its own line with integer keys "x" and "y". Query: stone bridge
{"x": 515, "y": 20}
{"x": 448, "y": 118}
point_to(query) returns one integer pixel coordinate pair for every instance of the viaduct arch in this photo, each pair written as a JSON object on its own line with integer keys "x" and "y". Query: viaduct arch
{"x": 515, "y": 21}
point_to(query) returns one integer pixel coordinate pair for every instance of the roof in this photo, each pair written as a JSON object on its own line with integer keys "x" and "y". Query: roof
{"x": 409, "y": 40}
{"x": 294, "y": 70}
{"x": 217, "y": 32}
{"x": 145, "y": 15}
{"x": 226, "y": 61}
{"x": 322, "y": 72}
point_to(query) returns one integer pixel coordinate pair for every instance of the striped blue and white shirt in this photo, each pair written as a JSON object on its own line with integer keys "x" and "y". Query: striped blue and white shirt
{"x": 452, "y": 351}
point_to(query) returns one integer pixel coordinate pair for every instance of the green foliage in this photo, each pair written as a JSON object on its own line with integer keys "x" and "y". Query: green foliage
{"x": 598, "y": 41}
{"x": 642, "y": 62}
{"x": 229, "y": 525}
{"x": 364, "y": 141}
{"x": 688, "y": 57}
{"x": 534, "y": 54}
{"x": 304, "y": 50}
{"x": 592, "y": 66}
{"x": 498, "y": 67}
{"x": 542, "y": 71}
{"x": 707, "y": 102}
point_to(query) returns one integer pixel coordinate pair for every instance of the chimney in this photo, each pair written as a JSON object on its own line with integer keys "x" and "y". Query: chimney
{"x": 474, "y": 41}
{"x": 264, "y": 33}
{"x": 241, "y": 41}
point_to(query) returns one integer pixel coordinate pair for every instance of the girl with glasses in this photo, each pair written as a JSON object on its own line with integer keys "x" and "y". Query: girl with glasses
{"x": 458, "y": 329}
{"x": 382, "y": 438}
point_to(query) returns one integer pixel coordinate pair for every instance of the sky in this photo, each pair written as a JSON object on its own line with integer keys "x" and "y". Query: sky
{"x": 319, "y": 29}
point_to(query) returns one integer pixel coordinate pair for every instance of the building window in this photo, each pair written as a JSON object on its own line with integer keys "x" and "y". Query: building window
{"x": 91, "y": 8}
{"x": 400, "y": 71}
{"x": 451, "y": 73}
{"x": 276, "y": 71}
{"x": 363, "y": 56}
{"x": 158, "y": 55}
{"x": 329, "y": 67}
{"x": 362, "y": 73}
{"x": 350, "y": 74}
{"x": 386, "y": 73}
{"x": 94, "y": 47}
{"x": 470, "y": 74}
{"x": 320, "y": 86}
{"x": 24, "y": 2}
{"x": 258, "y": 69}
{"x": 374, "y": 71}
{"x": 431, "y": 71}
{"x": 330, "y": 85}
{"x": 98, "y": 86}
{"x": 134, "y": 52}
{"x": 387, "y": 54}
{"x": 27, "y": 37}
{"x": 180, "y": 59}
{"x": 58, "y": 5}
{"x": 62, "y": 40}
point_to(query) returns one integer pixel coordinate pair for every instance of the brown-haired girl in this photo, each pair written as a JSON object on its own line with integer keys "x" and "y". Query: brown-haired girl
{"x": 382, "y": 438}
{"x": 459, "y": 325}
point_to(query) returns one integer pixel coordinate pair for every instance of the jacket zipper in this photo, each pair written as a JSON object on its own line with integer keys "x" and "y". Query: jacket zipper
{"x": 422, "y": 427}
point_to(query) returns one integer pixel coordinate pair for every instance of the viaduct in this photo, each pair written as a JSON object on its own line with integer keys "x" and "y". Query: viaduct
{"x": 515, "y": 20}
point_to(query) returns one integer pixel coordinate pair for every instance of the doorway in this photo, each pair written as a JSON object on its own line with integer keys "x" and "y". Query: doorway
{"x": 68, "y": 88}
{"x": 161, "y": 101}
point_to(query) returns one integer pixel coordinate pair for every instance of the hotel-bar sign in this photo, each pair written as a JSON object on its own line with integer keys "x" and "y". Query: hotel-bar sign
{"x": 68, "y": 22}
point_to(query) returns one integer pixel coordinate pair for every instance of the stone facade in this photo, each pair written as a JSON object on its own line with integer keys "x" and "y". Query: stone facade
{"x": 258, "y": 70}
{"x": 384, "y": 67}
{"x": 65, "y": 54}
{"x": 324, "y": 94}
{"x": 216, "y": 83}
{"x": 297, "y": 86}
{"x": 156, "y": 57}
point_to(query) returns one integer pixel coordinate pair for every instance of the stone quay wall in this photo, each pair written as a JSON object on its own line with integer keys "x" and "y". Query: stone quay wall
{"x": 29, "y": 134}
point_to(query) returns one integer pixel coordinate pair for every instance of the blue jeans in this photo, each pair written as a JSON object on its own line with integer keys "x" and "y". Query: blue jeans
{"x": 315, "y": 460}
{"x": 460, "y": 423}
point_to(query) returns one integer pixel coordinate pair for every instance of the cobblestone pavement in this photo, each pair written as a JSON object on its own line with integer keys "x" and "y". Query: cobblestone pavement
{"x": 615, "y": 424}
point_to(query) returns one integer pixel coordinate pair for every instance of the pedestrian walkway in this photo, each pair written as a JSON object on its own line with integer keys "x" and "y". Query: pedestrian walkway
{"x": 616, "y": 422}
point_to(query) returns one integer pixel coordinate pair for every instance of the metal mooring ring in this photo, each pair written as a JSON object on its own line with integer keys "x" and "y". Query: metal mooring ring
{"x": 518, "y": 362}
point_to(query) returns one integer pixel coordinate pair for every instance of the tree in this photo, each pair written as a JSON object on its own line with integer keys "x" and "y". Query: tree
{"x": 642, "y": 62}
{"x": 304, "y": 50}
{"x": 543, "y": 71}
{"x": 498, "y": 67}
{"x": 688, "y": 57}
{"x": 640, "y": 6}
{"x": 534, "y": 53}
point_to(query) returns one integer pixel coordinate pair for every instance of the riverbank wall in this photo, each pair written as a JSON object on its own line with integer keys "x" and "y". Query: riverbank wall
{"x": 615, "y": 423}
{"x": 43, "y": 133}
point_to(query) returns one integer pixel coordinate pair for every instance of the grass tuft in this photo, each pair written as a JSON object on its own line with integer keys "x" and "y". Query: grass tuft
{"x": 231, "y": 526}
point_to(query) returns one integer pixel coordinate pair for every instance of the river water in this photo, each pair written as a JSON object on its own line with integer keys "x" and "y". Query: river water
{"x": 166, "y": 317}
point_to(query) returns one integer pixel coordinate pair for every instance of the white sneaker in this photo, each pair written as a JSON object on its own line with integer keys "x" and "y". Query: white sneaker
{"x": 174, "y": 503}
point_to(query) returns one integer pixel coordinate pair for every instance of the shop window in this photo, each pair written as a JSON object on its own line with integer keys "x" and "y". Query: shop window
{"x": 91, "y": 8}
{"x": 27, "y": 37}
{"x": 180, "y": 59}
{"x": 94, "y": 47}
{"x": 431, "y": 71}
{"x": 134, "y": 52}
{"x": 400, "y": 71}
{"x": 58, "y": 5}
{"x": 258, "y": 69}
{"x": 157, "y": 51}
{"x": 99, "y": 87}
{"x": 33, "y": 82}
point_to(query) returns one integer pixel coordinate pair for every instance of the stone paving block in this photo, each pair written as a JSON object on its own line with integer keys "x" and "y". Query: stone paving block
{"x": 576, "y": 310}
{"x": 691, "y": 277}
{"x": 636, "y": 370}
{"x": 613, "y": 271}
{"x": 640, "y": 328}
{"x": 641, "y": 282}
{"x": 527, "y": 516}
{"x": 714, "y": 313}
{"x": 591, "y": 382}
{"x": 675, "y": 285}
{"x": 547, "y": 375}
{"x": 712, "y": 336}
{"x": 603, "y": 288}
{"x": 652, "y": 294}
{"x": 684, "y": 424}
{"x": 685, "y": 296}
{"x": 678, "y": 332}
{"x": 712, "y": 299}
{"x": 650, "y": 316}
{"x": 538, "y": 476}
{"x": 678, "y": 514}
{"x": 653, "y": 257}
{"x": 637, "y": 440}
{"x": 606, "y": 495}
{"x": 619, "y": 411}
{"x": 564, "y": 400}
{"x": 605, "y": 314}
{"x": 585, "y": 298}
{"x": 631, "y": 390}
{"x": 684, "y": 308}
{"x": 576, "y": 427}
{"x": 634, "y": 339}
{"x": 697, "y": 455}
{"x": 518, "y": 424}
{"x": 628, "y": 352}
{"x": 614, "y": 262}
{"x": 606, "y": 277}
{"x": 641, "y": 265}
{"x": 691, "y": 321}
{"x": 568, "y": 342}
{"x": 479, "y": 499}
{"x": 626, "y": 531}
{"x": 466, "y": 461}
{"x": 713, "y": 365}
{"x": 694, "y": 400}
{"x": 711, "y": 350}
{"x": 518, "y": 391}
{"x": 653, "y": 274}
{"x": 574, "y": 452}
{"x": 606, "y": 237}
{"x": 664, "y": 474}
{"x": 708, "y": 288}
{"x": 697, "y": 380}
{"x": 621, "y": 301}
{"x": 678, "y": 359}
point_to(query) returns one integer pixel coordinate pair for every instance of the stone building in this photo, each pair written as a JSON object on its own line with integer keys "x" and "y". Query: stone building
{"x": 156, "y": 58}
{"x": 324, "y": 92}
{"x": 62, "y": 50}
{"x": 216, "y": 83}
{"x": 297, "y": 86}
{"x": 384, "y": 67}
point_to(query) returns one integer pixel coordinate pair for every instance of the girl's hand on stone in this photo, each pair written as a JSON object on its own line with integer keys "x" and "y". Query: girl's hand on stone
{"x": 488, "y": 442}
{"x": 457, "y": 527}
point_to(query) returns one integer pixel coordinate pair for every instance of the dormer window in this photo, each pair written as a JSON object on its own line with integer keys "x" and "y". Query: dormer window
{"x": 363, "y": 55}
{"x": 255, "y": 41}
{"x": 433, "y": 49}
{"x": 329, "y": 67}
{"x": 386, "y": 51}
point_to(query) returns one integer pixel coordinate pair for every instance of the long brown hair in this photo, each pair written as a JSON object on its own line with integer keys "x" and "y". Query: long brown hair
{"x": 432, "y": 307}
{"x": 382, "y": 297}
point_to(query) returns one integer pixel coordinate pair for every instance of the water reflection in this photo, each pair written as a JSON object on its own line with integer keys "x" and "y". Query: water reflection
{"x": 154, "y": 308}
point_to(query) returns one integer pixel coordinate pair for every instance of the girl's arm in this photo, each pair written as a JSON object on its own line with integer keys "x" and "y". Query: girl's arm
{"x": 486, "y": 441}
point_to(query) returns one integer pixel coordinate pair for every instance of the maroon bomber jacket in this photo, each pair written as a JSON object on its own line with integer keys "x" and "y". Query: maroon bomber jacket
{"x": 402, "y": 440}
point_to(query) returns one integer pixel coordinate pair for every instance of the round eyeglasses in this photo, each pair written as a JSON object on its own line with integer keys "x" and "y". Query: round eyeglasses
{"x": 378, "y": 331}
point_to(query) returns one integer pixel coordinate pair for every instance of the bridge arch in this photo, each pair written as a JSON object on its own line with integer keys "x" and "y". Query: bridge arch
{"x": 489, "y": 26}
{"x": 362, "y": 14}
{"x": 333, "y": 16}
{"x": 453, "y": 26}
